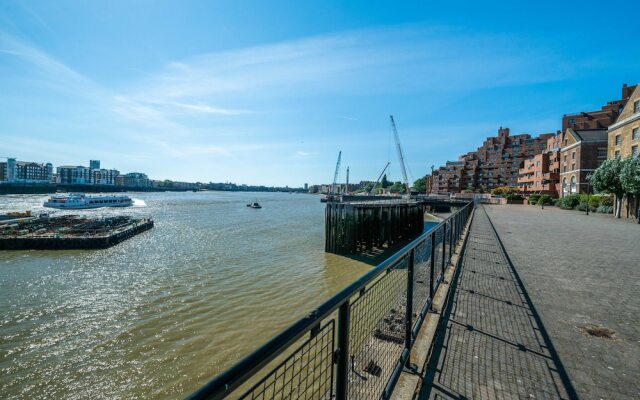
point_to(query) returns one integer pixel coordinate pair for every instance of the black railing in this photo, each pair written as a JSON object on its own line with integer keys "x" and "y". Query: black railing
{"x": 359, "y": 351}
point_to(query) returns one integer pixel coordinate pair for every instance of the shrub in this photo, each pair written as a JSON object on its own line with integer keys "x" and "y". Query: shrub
{"x": 513, "y": 196}
{"x": 546, "y": 200}
{"x": 582, "y": 207}
{"x": 556, "y": 202}
{"x": 569, "y": 202}
{"x": 533, "y": 199}
{"x": 594, "y": 202}
{"x": 606, "y": 200}
{"x": 605, "y": 209}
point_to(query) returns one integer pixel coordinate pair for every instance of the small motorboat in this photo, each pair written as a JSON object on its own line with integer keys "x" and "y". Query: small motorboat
{"x": 255, "y": 204}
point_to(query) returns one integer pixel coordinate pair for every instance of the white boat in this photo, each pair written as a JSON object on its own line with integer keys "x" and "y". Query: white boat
{"x": 80, "y": 200}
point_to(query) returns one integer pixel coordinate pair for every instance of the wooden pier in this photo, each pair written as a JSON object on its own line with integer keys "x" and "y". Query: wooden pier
{"x": 358, "y": 227}
{"x": 69, "y": 233}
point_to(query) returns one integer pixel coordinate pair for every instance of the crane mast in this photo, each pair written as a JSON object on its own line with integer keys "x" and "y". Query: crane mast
{"x": 400, "y": 156}
{"x": 380, "y": 177}
{"x": 335, "y": 175}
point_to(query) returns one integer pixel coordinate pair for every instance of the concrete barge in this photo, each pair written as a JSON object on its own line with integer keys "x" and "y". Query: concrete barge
{"x": 70, "y": 232}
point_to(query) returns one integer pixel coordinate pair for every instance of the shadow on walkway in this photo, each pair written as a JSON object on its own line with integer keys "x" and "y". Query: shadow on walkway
{"x": 491, "y": 343}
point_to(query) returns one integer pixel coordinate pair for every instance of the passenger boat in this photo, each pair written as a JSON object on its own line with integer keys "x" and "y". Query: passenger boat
{"x": 255, "y": 204}
{"x": 80, "y": 200}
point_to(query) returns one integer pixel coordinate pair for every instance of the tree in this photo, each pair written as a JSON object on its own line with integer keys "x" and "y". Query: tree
{"x": 385, "y": 182}
{"x": 397, "y": 187}
{"x": 607, "y": 179}
{"x": 420, "y": 185}
{"x": 630, "y": 179}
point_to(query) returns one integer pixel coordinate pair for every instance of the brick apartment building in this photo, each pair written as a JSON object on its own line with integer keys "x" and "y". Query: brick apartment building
{"x": 599, "y": 119}
{"x": 624, "y": 141}
{"x": 496, "y": 163}
{"x": 582, "y": 152}
{"x": 541, "y": 174}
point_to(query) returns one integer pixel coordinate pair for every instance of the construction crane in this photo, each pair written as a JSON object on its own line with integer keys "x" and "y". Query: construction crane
{"x": 335, "y": 175}
{"x": 379, "y": 177}
{"x": 400, "y": 156}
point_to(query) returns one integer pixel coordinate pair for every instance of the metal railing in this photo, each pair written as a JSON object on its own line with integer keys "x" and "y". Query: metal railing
{"x": 356, "y": 344}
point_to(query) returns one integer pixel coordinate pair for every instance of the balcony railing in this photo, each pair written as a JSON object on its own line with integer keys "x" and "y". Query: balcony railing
{"x": 356, "y": 344}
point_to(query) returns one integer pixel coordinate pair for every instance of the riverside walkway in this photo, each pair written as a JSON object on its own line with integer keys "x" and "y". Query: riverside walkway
{"x": 492, "y": 344}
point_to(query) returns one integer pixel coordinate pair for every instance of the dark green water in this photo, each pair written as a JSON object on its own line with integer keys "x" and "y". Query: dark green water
{"x": 160, "y": 314}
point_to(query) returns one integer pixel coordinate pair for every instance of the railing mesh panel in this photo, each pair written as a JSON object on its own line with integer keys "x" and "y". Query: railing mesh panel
{"x": 376, "y": 335}
{"x": 306, "y": 374}
{"x": 421, "y": 276}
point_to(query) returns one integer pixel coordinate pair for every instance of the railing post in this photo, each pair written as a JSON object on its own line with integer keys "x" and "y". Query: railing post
{"x": 444, "y": 248}
{"x": 409, "y": 310}
{"x": 433, "y": 263}
{"x": 450, "y": 240}
{"x": 342, "y": 372}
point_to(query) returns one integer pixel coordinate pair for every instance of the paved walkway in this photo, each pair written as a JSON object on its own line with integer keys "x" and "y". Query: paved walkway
{"x": 581, "y": 272}
{"x": 492, "y": 345}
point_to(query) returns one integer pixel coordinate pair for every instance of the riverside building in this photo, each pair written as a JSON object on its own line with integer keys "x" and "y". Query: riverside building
{"x": 25, "y": 172}
{"x": 496, "y": 163}
{"x": 79, "y": 175}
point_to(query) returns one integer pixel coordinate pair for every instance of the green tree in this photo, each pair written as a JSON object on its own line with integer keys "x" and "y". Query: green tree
{"x": 385, "y": 182}
{"x": 397, "y": 187}
{"x": 420, "y": 185}
{"x": 607, "y": 179}
{"x": 630, "y": 178}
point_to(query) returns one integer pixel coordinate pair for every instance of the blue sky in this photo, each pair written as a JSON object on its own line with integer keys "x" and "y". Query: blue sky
{"x": 263, "y": 93}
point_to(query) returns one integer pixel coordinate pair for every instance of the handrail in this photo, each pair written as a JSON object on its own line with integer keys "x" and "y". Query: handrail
{"x": 226, "y": 382}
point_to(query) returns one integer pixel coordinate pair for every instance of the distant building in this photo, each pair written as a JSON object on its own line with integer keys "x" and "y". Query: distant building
{"x": 79, "y": 175}
{"x": 135, "y": 180}
{"x": 21, "y": 172}
{"x": 306, "y": 186}
{"x": 496, "y": 163}
{"x": 74, "y": 175}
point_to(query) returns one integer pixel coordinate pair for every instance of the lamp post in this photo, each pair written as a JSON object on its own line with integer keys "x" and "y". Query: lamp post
{"x": 431, "y": 185}
{"x": 588, "y": 179}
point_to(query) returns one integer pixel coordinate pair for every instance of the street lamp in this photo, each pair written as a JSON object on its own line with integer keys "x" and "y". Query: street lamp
{"x": 431, "y": 185}
{"x": 588, "y": 179}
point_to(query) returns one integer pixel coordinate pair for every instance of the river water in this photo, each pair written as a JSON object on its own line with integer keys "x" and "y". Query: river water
{"x": 158, "y": 315}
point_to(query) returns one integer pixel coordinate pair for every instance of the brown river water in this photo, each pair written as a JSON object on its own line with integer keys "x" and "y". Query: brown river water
{"x": 160, "y": 314}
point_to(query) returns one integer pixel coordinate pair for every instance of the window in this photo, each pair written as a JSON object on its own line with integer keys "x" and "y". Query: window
{"x": 565, "y": 158}
{"x": 537, "y": 163}
{"x": 618, "y": 140}
{"x": 564, "y": 185}
{"x": 636, "y": 106}
{"x": 573, "y": 167}
{"x": 537, "y": 173}
{"x": 602, "y": 153}
{"x": 635, "y": 134}
{"x": 617, "y": 154}
{"x": 573, "y": 155}
{"x": 634, "y": 151}
{"x": 564, "y": 169}
{"x": 573, "y": 184}
{"x": 572, "y": 121}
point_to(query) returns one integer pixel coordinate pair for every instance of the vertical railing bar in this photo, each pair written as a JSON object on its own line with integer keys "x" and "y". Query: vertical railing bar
{"x": 444, "y": 248}
{"x": 433, "y": 263}
{"x": 342, "y": 368}
{"x": 409, "y": 310}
